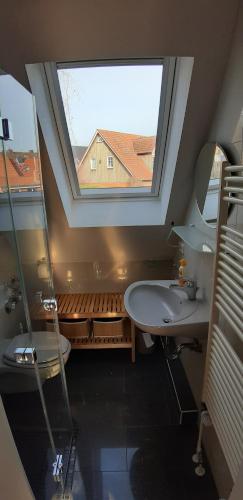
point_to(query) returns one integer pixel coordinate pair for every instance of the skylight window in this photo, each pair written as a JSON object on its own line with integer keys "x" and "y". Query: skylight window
{"x": 99, "y": 207}
{"x": 113, "y": 117}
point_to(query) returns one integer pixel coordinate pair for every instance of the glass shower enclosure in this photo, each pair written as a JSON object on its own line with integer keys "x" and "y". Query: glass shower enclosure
{"x": 34, "y": 393}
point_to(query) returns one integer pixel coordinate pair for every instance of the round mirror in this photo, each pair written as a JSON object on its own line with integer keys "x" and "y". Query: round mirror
{"x": 207, "y": 180}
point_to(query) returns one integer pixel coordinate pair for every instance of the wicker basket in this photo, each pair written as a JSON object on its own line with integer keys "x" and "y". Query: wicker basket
{"x": 50, "y": 326}
{"x": 72, "y": 329}
{"x": 108, "y": 327}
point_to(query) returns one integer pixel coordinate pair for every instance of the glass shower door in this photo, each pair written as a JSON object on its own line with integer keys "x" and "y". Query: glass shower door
{"x": 42, "y": 414}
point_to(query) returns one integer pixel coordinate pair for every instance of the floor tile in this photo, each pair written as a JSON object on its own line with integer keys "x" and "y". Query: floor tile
{"x": 149, "y": 410}
{"x": 93, "y": 412}
{"x": 102, "y": 459}
{"x": 88, "y": 485}
{"x": 84, "y": 485}
{"x": 33, "y": 448}
{"x": 102, "y": 448}
{"x": 129, "y": 445}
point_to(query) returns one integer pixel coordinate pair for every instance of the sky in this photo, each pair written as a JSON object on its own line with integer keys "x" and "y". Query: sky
{"x": 121, "y": 98}
{"x": 16, "y": 104}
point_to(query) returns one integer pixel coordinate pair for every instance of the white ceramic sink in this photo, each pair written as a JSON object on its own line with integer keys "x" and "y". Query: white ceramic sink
{"x": 156, "y": 308}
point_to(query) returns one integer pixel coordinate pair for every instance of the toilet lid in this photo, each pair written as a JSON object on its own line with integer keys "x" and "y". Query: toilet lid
{"x": 45, "y": 343}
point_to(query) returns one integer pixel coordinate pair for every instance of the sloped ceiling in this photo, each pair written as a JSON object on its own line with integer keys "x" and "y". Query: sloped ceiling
{"x": 94, "y": 29}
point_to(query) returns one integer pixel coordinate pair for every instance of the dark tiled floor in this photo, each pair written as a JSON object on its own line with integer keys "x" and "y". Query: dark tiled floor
{"x": 26, "y": 419}
{"x": 129, "y": 444}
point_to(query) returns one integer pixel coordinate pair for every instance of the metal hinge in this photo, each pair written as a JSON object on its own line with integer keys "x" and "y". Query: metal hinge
{"x": 58, "y": 469}
{"x": 6, "y": 131}
{"x": 49, "y": 304}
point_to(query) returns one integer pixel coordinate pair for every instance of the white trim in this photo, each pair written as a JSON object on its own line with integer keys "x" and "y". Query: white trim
{"x": 179, "y": 103}
{"x": 110, "y": 157}
{"x": 115, "y": 211}
{"x": 93, "y": 164}
{"x": 163, "y": 121}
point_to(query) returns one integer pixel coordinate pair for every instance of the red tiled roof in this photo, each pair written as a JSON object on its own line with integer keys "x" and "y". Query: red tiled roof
{"x": 144, "y": 145}
{"x": 21, "y": 174}
{"x": 122, "y": 145}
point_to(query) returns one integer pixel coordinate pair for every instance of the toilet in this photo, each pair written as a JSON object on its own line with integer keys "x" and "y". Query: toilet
{"x": 17, "y": 377}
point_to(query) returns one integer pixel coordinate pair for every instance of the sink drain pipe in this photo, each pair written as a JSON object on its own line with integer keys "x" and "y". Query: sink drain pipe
{"x": 173, "y": 352}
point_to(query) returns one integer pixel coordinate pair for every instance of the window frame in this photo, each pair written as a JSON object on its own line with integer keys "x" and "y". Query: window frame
{"x": 93, "y": 164}
{"x": 164, "y": 118}
{"x": 110, "y": 167}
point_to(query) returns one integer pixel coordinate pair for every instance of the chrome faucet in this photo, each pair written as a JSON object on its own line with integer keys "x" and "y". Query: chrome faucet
{"x": 190, "y": 287}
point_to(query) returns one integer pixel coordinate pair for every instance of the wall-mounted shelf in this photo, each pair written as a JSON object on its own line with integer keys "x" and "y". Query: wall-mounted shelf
{"x": 199, "y": 240}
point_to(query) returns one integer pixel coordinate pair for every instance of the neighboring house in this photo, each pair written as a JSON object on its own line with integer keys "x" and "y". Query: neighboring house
{"x": 117, "y": 159}
{"x": 219, "y": 158}
{"x": 210, "y": 210}
{"x": 78, "y": 153}
{"x": 23, "y": 171}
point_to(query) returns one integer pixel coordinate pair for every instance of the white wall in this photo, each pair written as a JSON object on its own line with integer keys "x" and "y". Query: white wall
{"x": 13, "y": 481}
{"x": 9, "y": 323}
{"x": 202, "y": 29}
{"x": 200, "y": 267}
{"x": 226, "y": 130}
{"x": 237, "y": 492}
{"x": 143, "y": 251}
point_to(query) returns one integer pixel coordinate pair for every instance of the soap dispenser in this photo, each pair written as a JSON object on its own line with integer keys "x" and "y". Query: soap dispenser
{"x": 182, "y": 265}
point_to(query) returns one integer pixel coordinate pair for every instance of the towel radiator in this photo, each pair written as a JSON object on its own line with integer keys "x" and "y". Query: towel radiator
{"x": 223, "y": 380}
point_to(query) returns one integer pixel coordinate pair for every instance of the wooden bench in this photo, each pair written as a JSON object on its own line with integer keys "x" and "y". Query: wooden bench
{"x": 95, "y": 306}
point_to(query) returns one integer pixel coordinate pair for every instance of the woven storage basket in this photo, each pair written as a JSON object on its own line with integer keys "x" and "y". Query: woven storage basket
{"x": 72, "y": 329}
{"x": 50, "y": 326}
{"x": 108, "y": 327}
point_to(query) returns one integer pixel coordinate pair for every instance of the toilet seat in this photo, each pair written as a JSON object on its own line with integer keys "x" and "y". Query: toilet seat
{"x": 46, "y": 346}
